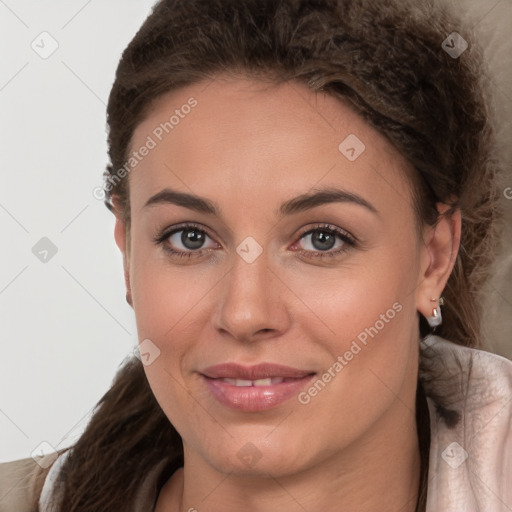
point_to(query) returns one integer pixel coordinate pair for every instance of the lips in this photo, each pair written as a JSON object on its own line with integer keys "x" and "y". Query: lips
{"x": 254, "y": 388}
{"x": 256, "y": 372}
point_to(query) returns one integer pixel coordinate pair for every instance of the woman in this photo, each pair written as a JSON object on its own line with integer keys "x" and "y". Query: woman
{"x": 305, "y": 201}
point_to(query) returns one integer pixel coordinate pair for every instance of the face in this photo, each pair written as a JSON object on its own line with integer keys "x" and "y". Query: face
{"x": 254, "y": 275}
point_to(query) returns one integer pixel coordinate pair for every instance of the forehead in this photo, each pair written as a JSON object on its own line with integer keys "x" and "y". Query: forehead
{"x": 239, "y": 140}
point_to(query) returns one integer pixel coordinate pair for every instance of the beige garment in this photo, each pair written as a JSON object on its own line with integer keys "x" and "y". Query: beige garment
{"x": 21, "y": 482}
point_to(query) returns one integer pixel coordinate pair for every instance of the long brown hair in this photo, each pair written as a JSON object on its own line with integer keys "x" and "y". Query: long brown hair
{"x": 386, "y": 58}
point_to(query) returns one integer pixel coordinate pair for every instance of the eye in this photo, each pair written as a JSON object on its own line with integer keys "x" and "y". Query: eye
{"x": 190, "y": 237}
{"x": 321, "y": 240}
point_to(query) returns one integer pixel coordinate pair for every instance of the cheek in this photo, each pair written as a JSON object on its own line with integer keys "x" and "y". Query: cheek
{"x": 165, "y": 297}
{"x": 368, "y": 320}
{"x": 369, "y": 289}
{"x": 371, "y": 363}
{"x": 170, "y": 305}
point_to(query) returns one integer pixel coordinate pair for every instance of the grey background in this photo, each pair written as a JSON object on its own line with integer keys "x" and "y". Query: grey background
{"x": 64, "y": 324}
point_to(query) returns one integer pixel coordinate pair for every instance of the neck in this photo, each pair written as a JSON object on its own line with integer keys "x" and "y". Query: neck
{"x": 379, "y": 472}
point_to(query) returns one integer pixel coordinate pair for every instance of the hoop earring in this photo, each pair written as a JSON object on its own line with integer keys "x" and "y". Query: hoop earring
{"x": 436, "y": 318}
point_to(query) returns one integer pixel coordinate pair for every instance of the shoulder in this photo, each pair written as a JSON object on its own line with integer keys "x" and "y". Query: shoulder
{"x": 474, "y": 382}
{"x": 470, "y": 463}
{"x": 484, "y": 376}
{"x": 21, "y": 482}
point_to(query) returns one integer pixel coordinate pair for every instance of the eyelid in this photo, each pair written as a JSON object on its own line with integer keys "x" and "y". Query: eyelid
{"x": 328, "y": 227}
{"x": 345, "y": 236}
{"x": 164, "y": 234}
{"x": 349, "y": 242}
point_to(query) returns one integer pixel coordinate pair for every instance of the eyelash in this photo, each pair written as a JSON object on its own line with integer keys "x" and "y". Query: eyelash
{"x": 161, "y": 239}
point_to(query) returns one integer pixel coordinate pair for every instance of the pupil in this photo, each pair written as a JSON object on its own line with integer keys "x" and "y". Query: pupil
{"x": 192, "y": 239}
{"x": 324, "y": 239}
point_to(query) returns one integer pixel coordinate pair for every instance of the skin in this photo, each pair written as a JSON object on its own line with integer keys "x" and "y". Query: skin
{"x": 250, "y": 147}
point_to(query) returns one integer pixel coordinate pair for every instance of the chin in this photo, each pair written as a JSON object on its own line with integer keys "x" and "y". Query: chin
{"x": 258, "y": 456}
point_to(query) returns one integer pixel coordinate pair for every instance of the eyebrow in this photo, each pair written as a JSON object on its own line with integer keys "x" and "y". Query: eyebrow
{"x": 295, "y": 205}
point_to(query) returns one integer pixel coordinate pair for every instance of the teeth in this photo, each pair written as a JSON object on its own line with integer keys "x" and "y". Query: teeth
{"x": 263, "y": 382}
{"x": 241, "y": 382}
{"x": 259, "y": 382}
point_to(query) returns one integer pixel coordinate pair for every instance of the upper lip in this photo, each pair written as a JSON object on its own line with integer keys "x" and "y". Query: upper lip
{"x": 259, "y": 371}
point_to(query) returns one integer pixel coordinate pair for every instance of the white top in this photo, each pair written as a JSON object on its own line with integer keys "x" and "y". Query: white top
{"x": 470, "y": 466}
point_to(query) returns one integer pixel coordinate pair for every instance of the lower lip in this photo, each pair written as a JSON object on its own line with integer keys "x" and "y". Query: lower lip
{"x": 255, "y": 398}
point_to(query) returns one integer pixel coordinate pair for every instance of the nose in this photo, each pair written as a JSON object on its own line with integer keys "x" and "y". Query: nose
{"x": 251, "y": 303}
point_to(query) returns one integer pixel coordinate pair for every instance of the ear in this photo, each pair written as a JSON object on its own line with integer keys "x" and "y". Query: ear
{"x": 122, "y": 241}
{"x": 438, "y": 255}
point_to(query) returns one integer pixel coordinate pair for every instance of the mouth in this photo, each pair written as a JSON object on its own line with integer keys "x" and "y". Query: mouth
{"x": 254, "y": 388}
{"x": 270, "y": 381}
{"x": 253, "y": 373}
